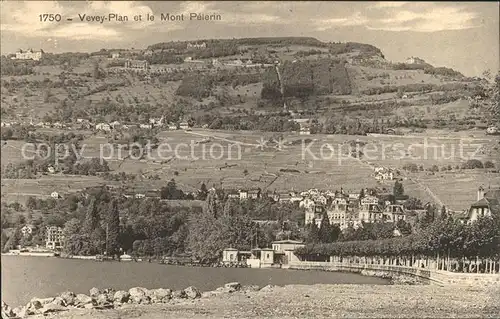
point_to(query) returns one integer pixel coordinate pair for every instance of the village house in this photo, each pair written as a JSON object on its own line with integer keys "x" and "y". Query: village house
{"x": 157, "y": 121}
{"x": 230, "y": 255}
{"x": 103, "y": 127}
{"x": 216, "y": 63}
{"x": 27, "y": 230}
{"x": 202, "y": 45}
{"x": 305, "y": 130}
{"x": 115, "y": 55}
{"x": 243, "y": 194}
{"x": 306, "y": 203}
{"x": 233, "y": 194}
{"x": 55, "y": 237}
{"x": 274, "y": 196}
{"x": 369, "y": 210}
{"x": 284, "y": 197}
{"x": 294, "y": 197}
{"x": 254, "y": 193}
{"x": 114, "y": 125}
{"x": 314, "y": 215}
{"x": 487, "y": 202}
{"x": 395, "y": 213}
{"x": 492, "y": 130}
{"x": 29, "y": 54}
{"x": 184, "y": 125}
{"x": 337, "y": 212}
{"x": 137, "y": 64}
{"x": 146, "y": 126}
{"x": 284, "y": 249}
{"x": 172, "y": 127}
{"x": 383, "y": 173}
{"x": 55, "y": 195}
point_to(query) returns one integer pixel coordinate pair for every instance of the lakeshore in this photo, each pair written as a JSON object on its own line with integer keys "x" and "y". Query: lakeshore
{"x": 24, "y": 278}
{"x": 317, "y": 301}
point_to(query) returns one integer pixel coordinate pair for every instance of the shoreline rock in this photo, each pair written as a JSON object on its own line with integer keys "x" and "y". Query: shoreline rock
{"x": 104, "y": 299}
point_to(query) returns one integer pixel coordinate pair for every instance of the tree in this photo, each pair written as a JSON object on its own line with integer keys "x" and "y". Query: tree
{"x": 203, "y": 192}
{"x": 113, "y": 227}
{"x": 171, "y": 191}
{"x": 413, "y": 203}
{"x": 362, "y": 193}
{"x": 444, "y": 214}
{"x": 327, "y": 233}
{"x": 73, "y": 241}
{"x": 4, "y": 240}
{"x": 95, "y": 70}
{"x": 312, "y": 233}
{"x": 213, "y": 204}
{"x": 92, "y": 218}
{"x": 210, "y": 235}
{"x": 398, "y": 189}
{"x": 13, "y": 240}
{"x": 489, "y": 164}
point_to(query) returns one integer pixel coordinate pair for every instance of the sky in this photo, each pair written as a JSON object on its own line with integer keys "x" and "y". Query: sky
{"x": 461, "y": 35}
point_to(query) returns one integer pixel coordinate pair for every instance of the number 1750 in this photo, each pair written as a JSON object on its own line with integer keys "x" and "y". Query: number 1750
{"x": 50, "y": 17}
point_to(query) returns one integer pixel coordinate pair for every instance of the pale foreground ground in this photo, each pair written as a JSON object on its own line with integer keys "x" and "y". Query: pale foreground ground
{"x": 321, "y": 301}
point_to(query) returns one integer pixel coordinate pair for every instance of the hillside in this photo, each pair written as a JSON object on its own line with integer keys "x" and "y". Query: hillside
{"x": 210, "y": 78}
{"x": 234, "y": 92}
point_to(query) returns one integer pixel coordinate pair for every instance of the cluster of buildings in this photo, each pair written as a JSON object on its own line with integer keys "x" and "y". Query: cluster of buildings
{"x": 384, "y": 173}
{"x": 305, "y": 125}
{"x": 29, "y": 54}
{"x": 54, "y": 236}
{"x": 281, "y": 253}
{"x": 152, "y": 123}
{"x": 345, "y": 209}
{"x": 137, "y": 65}
{"x": 202, "y": 45}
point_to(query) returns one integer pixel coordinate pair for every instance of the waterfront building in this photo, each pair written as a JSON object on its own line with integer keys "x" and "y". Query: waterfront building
{"x": 55, "y": 238}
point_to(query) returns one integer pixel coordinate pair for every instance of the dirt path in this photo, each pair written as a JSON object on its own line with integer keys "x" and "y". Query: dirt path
{"x": 221, "y": 138}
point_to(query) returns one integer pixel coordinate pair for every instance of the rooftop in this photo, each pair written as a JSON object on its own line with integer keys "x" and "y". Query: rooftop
{"x": 288, "y": 241}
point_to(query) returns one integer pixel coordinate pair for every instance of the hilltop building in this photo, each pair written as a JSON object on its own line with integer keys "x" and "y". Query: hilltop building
{"x": 414, "y": 60}
{"x": 29, "y": 54}
{"x": 202, "y": 45}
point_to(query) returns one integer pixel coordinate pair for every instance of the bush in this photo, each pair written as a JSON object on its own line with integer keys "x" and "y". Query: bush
{"x": 489, "y": 164}
{"x": 472, "y": 164}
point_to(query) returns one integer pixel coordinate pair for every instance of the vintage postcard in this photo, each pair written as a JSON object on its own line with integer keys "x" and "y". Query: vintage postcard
{"x": 154, "y": 154}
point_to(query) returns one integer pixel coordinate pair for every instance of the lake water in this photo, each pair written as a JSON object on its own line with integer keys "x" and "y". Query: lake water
{"x": 26, "y": 277}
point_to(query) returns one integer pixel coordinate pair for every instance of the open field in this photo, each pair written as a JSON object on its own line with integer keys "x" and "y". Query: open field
{"x": 321, "y": 301}
{"x": 240, "y": 159}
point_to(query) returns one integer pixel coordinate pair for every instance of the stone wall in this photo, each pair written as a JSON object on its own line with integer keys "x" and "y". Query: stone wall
{"x": 422, "y": 275}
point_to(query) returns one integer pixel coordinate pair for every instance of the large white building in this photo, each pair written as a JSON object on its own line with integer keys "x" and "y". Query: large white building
{"x": 414, "y": 60}
{"x": 29, "y": 54}
{"x": 55, "y": 237}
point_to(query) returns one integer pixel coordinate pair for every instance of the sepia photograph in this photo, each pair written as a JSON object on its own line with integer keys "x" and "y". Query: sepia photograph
{"x": 250, "y": 159}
